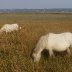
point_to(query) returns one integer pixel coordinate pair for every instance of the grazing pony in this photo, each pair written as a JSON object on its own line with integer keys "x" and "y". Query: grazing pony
{"x": 9, "y": 28}
{"x": 51, "y": 41}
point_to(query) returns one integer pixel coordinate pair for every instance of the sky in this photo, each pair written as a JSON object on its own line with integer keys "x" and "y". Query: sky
{"x": 35, "y": 4}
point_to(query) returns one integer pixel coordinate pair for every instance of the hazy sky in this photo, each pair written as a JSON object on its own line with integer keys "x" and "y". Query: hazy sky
{"x": 35, "y": 4}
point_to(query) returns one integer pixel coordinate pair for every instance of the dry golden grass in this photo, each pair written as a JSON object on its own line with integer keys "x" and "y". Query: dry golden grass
{"x": 16, "y": 47}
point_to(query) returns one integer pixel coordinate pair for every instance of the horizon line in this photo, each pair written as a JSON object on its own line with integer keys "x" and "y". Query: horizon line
{"x": 36, "y": 8}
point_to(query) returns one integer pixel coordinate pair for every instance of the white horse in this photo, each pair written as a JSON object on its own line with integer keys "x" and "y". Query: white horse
{"x": 9, "y": 28}
{"x": 51, "y": 41}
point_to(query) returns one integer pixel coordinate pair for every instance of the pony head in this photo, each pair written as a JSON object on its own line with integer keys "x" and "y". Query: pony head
{"x": 20, "y": 28}
{"x": 36, "y": 57}
{"x": 39, "y": 48}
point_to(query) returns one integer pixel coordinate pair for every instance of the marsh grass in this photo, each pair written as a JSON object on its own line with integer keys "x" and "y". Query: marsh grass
{"x": 16, "y": 47}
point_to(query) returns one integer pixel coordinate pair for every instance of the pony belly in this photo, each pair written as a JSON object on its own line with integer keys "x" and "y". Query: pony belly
{"x": 60, "y": 48}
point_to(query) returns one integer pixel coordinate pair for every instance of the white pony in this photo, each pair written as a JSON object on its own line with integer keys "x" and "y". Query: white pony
{"x": 51, "y": 41}
{"x": 9, "y": 28}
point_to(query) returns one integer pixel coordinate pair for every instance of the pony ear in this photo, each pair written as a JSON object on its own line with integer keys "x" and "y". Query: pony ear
{"x": 32, "y": 51}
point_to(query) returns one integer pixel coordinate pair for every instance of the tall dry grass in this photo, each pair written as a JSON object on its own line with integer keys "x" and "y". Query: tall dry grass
{"x": 16, "y": 47}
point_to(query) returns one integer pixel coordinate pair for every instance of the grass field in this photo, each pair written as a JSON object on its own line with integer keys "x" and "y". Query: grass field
{"x": 16, "y": 47}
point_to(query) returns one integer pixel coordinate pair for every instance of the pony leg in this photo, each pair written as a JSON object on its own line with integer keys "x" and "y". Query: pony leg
{"x": 51, "y": 53}
{"x": 68, "y": 51}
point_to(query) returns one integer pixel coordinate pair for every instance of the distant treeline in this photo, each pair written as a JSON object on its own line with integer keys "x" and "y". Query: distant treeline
{"x": 60, "y": 10}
